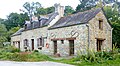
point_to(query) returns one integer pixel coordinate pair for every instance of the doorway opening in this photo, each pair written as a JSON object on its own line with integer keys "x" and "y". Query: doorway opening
{"x": 99, "y": 44}
{"x": 32, "y": 40}
{"x": 19, "y": 44}
{"x": 71, "y": 47}
{"x": 55, "y": 47}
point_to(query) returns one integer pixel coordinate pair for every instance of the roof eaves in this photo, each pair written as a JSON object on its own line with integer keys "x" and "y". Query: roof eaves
{"x": 67, "y": 26}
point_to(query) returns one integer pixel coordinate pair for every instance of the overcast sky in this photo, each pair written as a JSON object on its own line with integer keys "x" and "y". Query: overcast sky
{"x": 9, "y": 6}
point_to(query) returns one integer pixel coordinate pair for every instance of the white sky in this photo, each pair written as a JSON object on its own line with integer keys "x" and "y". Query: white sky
{"x": 9, "y": 6}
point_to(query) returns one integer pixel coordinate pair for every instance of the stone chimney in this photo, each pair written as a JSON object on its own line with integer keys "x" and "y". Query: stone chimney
{"x": 59, "y": 9}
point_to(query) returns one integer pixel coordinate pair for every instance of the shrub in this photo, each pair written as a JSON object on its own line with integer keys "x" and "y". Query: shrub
{"x": 11, "y": 49}
{"x": 36, "y": 51}
{"x": 99, "y": 57}
{"x": 20, "y": 57}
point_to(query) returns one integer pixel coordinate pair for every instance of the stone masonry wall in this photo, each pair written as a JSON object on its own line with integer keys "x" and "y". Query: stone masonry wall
{"x": 95, "y": 32}
{"x": 78, "y": 31}
{"x": 15, "y": 39}
{"x": 35, "y": 34}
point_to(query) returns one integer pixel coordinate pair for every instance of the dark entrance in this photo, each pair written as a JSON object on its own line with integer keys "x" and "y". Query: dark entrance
{"x": 19, "y": 44}
{"x": 99, "y": 44}
{"x": 55, "y": 47}
{"x": 71, "y": 47}
{"x": 32, "y": 40}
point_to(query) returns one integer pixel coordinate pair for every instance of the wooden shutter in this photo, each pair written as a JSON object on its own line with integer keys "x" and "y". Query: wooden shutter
{"x": 38, "y": 42}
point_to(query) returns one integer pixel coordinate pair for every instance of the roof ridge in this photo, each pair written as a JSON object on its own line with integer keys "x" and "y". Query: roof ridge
{"x": 92, "y": 9}
{"x": 77, "y": 18}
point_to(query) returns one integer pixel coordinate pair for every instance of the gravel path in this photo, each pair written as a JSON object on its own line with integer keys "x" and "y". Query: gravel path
{"x": 45, "y": 63}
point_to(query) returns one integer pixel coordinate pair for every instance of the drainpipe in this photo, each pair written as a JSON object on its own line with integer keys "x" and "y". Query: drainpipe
{"x": 88, "y": 35}
{"x": 111, "y": 36}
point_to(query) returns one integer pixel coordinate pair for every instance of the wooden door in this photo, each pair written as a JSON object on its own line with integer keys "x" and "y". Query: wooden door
{"x": 19, "y": 44}
{"x": 71, "y": 47}
{"x": 55, "y": 47}
{"x": 99, "y": 44}
{"x": 32, "y": 44}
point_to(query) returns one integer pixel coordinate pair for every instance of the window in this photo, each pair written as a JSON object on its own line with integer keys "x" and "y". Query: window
{"x": 101, "y": 24}
{"x": 40, "y": 42}
{"x": 19, "y": 44}
{"x": 26, "y": 43}
{"x": 25, "y": 26}
{"x": 62, "y": 41}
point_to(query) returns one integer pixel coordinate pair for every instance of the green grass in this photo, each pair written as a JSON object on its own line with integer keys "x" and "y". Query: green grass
{"x": 14, "y": 54}
{"x": 84, "y": 63}
{"x": 102, "y": 58}
{"x": 106, "y": 63}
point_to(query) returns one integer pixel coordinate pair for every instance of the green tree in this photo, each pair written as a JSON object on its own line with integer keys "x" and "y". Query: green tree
{"x": 15, "y": 19}
{"x": 12, "y": 31}
{"x": 114, "y": 17}
{"x": 41, "y": 11}
{"x": 2, "y": 20}
{"x": 88, "y": 4}
{"x": 68, "y": 10}
{"x": 44, "y": 11}
{"x": 3, "y": 34}
{"x": 50, "y": 10}
{"x": 31, "y": 8}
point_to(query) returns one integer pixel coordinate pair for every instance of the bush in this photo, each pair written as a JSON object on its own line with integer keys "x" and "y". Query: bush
{"x": 119, "y": 50}
{"x": 36, "y": 51}
{"x": 98, "y": 57}
{"x": 19, "y": 57}
{"x": 23, "y": 56}
{"x": 11, "y": 49}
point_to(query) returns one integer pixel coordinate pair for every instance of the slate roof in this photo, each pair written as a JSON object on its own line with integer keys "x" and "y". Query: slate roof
{"x": 44, "y": 21}
{"x": 18, "y": 32}
{"x": 78, "y": 18}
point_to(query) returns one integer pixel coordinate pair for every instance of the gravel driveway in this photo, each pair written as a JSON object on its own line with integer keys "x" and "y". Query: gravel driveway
{"x": 45, "y": 63}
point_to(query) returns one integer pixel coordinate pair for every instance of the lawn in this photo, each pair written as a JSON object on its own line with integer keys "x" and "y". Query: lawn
{"x": 93, "y": 59}
{"x": 84, "y": 63}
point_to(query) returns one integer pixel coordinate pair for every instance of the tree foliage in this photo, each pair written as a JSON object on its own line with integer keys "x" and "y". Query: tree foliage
{"x": 68, "y": 10}
{"x": 31, "y": 6}
{"x": 3, "y": 34}
{"x": 44, "y": 11}
{"x": 88, "y": 4}
{"x": 15, "y": 19}
{"x": 114, "y": 18}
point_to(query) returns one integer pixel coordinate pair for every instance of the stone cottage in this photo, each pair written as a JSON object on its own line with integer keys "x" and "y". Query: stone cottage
{"x": 54, "y": 33}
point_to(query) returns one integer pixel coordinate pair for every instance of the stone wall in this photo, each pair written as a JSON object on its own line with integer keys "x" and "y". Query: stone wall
{"x": 95, "y": 32}
{"x": 15, "y": 39}
{"x": 78, "y": 31}
{"x": 34, "y": 34}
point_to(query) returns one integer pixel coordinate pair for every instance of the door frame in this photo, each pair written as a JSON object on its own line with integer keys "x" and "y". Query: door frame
{"x": 55, "y": 46}
{"x": 71, "y": 49}
{"x": 19, "y": 44}
{"x": 99, "y": 43}
{"x": 32, "y": 44}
